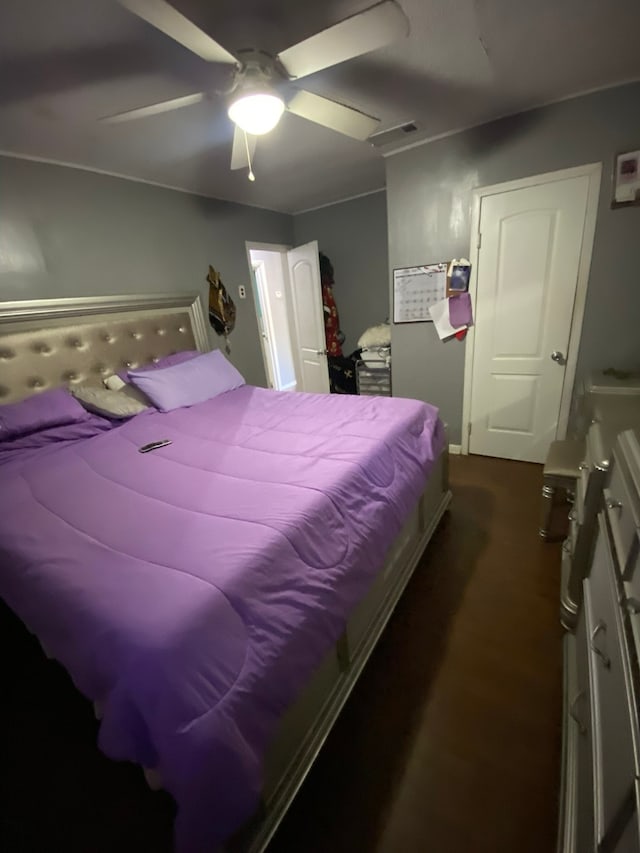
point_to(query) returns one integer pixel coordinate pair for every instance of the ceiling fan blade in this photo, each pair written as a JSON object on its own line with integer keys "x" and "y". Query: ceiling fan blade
{"x": 239, "y": 158}
{"x": 155, "y": 109}
{"x": 368, "y": 30}
{"x": 332, "y": 114}
{"x": 164, "y": 17}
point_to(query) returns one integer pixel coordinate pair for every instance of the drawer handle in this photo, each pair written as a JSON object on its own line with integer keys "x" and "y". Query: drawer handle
{"x": 573, "y": 713}
{"x": 601, "y": 625}
{"x": 611, "y": 503}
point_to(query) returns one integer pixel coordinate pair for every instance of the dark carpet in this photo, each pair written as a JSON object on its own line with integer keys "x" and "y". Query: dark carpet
{"x": 450, "y": 742}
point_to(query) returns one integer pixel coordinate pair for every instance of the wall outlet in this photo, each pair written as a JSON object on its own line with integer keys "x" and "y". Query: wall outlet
{"x": 242, "y": 292}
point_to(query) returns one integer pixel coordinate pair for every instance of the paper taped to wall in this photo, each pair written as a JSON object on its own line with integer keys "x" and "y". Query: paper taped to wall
{"x": 440, "y": 317}
{"x": 452, "y": 315}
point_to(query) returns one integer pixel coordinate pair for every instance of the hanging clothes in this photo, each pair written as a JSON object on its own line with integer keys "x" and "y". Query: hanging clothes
{"x": 333, "y": 335}
{"x": 342, "y": 371}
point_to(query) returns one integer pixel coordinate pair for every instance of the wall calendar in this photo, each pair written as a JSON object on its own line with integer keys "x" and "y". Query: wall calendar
{"x": 416, "y": 289}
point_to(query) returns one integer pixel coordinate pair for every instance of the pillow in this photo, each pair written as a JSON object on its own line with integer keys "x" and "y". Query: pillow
{"x": 188, "y": 383}
{"x": 375, "y": 336}
{"x": 165, "y": 361}
{"x": 54, "y": 435}
{"x": 112, "y": 404}
{"x": 55, "y": 407}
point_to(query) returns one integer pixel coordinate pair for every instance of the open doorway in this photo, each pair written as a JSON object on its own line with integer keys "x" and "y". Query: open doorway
{"x": 291, "y": 315}
{"x": 268, "y": 267}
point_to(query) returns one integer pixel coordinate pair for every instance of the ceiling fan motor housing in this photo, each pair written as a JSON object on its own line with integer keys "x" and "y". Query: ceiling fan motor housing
{"x": 256, "y": 71}
{"x": 255, "y": 105}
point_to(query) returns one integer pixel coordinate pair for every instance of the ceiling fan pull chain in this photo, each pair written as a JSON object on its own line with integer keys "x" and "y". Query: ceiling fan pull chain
{"x": 251, "y": 176}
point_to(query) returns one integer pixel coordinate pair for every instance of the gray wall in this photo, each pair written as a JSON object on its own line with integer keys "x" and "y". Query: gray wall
{"x": 66, "y": 232}
{"x": 354, "y": 236}
{"x": 429, "y": 204}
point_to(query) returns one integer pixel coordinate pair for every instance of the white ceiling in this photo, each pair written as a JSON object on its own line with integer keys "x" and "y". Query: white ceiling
{"x": 64, "y": 64}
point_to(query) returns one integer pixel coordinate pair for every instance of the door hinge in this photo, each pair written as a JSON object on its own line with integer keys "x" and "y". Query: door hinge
{"x": 479, "y": 244}
{"x": 469, "y": 429}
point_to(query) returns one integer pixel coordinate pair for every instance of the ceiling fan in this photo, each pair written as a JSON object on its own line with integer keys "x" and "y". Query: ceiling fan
{"x": 254, "y": 103}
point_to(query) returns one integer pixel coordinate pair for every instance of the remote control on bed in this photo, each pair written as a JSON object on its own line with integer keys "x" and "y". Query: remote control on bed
{"x": 154, "y": 445}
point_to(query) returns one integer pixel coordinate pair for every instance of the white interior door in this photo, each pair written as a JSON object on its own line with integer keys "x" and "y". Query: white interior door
{"x": 308, "y": 319}
{"x": 528, "y": 262}
{"x": 260, "y": 298}
{"x": 271, "y": 275}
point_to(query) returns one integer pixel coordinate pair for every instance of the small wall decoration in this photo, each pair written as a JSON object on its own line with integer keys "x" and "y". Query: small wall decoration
{"x": 626, "y": 180}
{"x": 222, "y": 309}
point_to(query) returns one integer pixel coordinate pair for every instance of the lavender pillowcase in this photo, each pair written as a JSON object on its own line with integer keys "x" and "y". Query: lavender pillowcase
{"x": 47, "y": 409}
{"x": 18, "y": 448}
{"x": 191, "y": 382}
{"x": 165, "y": 361}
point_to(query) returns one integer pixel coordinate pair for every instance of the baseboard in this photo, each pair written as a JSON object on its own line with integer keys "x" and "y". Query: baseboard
{"x": 455, "y": 449}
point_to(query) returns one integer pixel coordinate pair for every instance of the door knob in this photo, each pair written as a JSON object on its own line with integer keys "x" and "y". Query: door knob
{"x": 557, "y": 356}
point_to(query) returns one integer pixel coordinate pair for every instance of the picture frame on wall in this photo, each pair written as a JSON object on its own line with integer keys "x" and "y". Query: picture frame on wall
{"x": 626, "y": 179}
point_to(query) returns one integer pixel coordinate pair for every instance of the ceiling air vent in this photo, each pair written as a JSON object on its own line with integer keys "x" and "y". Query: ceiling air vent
{"x": 393, "y": 134}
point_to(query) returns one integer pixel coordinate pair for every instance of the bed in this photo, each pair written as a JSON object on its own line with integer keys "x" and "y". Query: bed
{"x": 218, "y": 598}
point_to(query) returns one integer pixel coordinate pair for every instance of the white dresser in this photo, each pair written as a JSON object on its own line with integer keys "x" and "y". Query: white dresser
{"x": 600, "y": 805}
{"x": 602, "y": 412}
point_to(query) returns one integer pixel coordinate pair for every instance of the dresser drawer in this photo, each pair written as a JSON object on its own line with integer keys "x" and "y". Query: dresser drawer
{"x": 585, "y": 469}
{"x": 632, "y": 571}
{"x": 598, "y": 449}
{"x": 610, "y": 692}
{"x": 620, "y": 503}
{"x": 580, "y": 713}
{"x": 578, "y": 508}
{"x": 574, "y": 529}
{"x": 569, "y": 598}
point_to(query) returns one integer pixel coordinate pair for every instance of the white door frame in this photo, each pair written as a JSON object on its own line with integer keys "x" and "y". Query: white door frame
{"x": 265, "y": 247}
{"x": 594, "y": 172}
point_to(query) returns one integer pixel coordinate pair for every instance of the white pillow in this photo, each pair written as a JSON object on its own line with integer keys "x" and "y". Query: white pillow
{"x": 376, "y": 336}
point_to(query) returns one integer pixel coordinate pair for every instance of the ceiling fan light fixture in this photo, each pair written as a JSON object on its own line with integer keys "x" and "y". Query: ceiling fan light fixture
{"x": 256, "y": 112}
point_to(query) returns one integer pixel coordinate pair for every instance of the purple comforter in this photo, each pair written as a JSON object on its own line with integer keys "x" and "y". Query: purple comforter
{"x": 192, "y": 590}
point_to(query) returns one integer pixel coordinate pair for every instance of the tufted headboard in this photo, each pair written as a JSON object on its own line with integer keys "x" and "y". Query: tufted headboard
{"x": 52, "y": 342}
